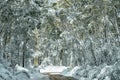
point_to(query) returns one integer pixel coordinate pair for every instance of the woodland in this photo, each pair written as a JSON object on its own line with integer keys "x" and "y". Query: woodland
{"x": 82, "y": 35}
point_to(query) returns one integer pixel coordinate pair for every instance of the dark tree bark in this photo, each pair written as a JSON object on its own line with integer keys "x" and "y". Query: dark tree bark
{"x": 93, "y": 54}
{"x": 24, "y": 50}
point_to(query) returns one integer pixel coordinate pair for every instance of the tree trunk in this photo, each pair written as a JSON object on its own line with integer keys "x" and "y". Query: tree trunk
{"x": 24, "y": 50}
{"x": 93, "y": 54}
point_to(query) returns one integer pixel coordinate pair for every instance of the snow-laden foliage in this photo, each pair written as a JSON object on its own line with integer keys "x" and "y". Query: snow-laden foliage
{"x": 5, "y": 74}
{"x": 102, "y": 72}
{"x": 60, "y": 32}
{"x": 20, "y": 73}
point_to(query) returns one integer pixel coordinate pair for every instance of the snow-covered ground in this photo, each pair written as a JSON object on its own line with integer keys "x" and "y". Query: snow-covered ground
{"x": 21, "y": 73}
{"x": 103, "y": 72}
{"x": 32, "y": 74}
{"x": 5, "y": 74}
{"x": 53, "y": 69}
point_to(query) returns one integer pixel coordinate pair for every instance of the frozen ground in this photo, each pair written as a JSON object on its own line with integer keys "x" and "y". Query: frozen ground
{"x": 21, "y": 73}
{"x": 53, "y": 69}
{"x": 5, "y": 74}
{"x": 103, "y": 72}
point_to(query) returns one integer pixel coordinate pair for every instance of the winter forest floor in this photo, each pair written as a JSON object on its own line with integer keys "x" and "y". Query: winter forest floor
{"x": 103, "y": 72}
{"x": 54, "y": 73}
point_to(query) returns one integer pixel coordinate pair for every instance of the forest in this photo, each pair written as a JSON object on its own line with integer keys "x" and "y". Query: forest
{"x": 59, "y": 39}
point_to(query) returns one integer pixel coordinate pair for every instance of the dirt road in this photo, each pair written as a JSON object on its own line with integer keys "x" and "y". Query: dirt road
{"x": 60, "y": 77}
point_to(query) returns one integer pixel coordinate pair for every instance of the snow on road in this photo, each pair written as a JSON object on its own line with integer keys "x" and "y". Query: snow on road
{"x": 103, "y": 72}
{"x": 53, "y": 69}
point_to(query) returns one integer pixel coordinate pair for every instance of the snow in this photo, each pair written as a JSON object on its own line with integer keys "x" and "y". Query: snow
{"x": 52, "y": 1}
{"x": 33, "y": 74}
{"x": 51, "y": 12}
{"x": 39, "y": 76}
{"x": 104, "y": 72}
{"x": 5, "y": 74}
{"x": 21, "y": 74}
{"x": 107, "y": 78}
{"x": 93, "y": 73}
{"x": 82, "y": 78}
{"x": 19, "y": 68}
{"x": 73, "y": 72}
{"x": 37, "y": 53}
{"x": 53, "y": 69}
